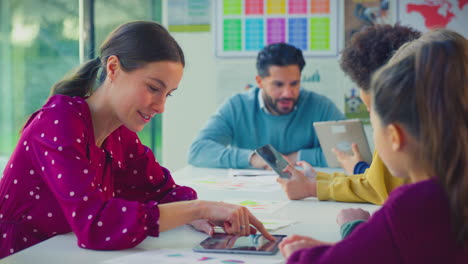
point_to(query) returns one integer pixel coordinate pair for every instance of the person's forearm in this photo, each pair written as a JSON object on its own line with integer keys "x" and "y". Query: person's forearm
{"x": 172, "y": 215}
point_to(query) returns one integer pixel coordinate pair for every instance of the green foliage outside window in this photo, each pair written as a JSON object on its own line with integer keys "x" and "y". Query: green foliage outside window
{"x": 39, "y": 44}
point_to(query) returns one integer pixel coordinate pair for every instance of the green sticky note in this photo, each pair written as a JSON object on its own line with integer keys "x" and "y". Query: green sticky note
{"x": 319, "y": 33}
{"x": 232, "y": 34}
{"x": 232, "y": 7}
{"x": 248, "y": 202}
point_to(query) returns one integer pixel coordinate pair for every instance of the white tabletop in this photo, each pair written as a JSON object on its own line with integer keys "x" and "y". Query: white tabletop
{"x": 314, "y": 218}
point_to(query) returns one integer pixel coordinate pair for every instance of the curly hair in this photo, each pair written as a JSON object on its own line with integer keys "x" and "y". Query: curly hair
{"x": 371, "y": 48}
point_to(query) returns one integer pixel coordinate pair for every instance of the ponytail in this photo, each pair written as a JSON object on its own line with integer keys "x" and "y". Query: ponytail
{"x": 81, "y": 83}
{"x": 425, "y": 88}
{"x": 441, "y": 74}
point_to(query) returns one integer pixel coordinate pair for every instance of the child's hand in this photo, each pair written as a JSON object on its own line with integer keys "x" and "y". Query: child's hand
{"x": 293, "y": 243}
{"x": 309, "y": 170}
{"x": 348, "y": 161}
{"x": 351, "y": 214}
{"x": 299, "y": 186}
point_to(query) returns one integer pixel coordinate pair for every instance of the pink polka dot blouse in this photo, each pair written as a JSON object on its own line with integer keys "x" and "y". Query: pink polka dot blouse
{"x": 58, "y": 181}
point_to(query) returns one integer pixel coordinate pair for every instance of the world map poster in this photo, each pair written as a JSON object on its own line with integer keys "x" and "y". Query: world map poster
{"x": 428, "y": 14}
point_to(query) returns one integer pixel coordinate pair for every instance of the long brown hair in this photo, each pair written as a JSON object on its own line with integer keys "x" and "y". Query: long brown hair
{"x": 425, "y": 88}
{"x": 135, "y": 44}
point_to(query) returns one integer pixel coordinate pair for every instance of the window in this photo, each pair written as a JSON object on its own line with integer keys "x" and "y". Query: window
{"x": 39, "y": 44}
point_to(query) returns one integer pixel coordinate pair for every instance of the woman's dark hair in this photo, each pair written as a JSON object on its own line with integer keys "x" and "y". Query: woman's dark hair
{"x": 425, "y": 89}
{"x": 278, "y": 54}
{"x": 371, "y": 48}
{"x": 135, "y": 44}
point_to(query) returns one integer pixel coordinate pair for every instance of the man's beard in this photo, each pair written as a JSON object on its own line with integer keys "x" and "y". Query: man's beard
{"x": 272, "y": 105}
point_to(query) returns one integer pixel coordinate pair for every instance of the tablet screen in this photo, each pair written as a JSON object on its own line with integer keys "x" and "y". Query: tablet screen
{"x": 274, "y": 159}
{"x": 253, "y": 244}
{"x": 340, "y": 135}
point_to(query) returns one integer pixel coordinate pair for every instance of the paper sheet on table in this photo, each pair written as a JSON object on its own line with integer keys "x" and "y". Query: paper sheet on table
{"x": 185, "y": 256}
{"x": 275, "y": 224}
{"x": 251, "y": 173}
{"x": 237, "y": 183}
{"x": 270, "y": 224}
{"x": 258, "y": 206}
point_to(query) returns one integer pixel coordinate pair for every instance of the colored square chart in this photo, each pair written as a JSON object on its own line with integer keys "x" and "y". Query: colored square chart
{"x": 254, "y": 39}
{"x": 276, "y": 7}
{"x": 254, "y": 7}
{"x": 244, "y": 27}
{"x": 320, "y": 33}
{"x": 297, "y": 32}
{"x": 297, "y": 7}
{"x": 320, "y": 6}
{"x": 232, "y": 7}
{"x": 232, "y": 34}
{"x": 276, "y": 31}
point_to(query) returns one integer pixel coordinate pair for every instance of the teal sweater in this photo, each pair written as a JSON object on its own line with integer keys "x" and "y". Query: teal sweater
{"x": 348, "y": 227}
{"x": 240, "y": 126}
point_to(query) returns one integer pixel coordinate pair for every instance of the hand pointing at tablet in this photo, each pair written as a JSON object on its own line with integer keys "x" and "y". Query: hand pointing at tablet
{"x": 204, "y": 215}
{"x": 234, "y": 219}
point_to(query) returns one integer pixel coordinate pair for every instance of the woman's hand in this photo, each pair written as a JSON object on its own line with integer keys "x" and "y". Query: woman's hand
{"x": 291, "y": 244}
{"x": 302, "y": 184}
{"x": 351, "y": 214}
{"x": 348, "y": 162}
{"x": 203, "y": 225}
{"x": 234, "y": 219}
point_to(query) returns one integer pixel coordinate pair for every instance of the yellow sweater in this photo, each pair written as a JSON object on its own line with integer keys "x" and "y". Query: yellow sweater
{"x": 373, "y": 186}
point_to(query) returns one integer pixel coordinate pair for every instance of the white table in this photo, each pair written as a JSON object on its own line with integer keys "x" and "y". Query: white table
{"x": 316, "y": 219}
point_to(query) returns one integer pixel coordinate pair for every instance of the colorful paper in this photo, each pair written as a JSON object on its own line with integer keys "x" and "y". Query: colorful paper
{"x": 238, "y": 183}
{"x": 186, "y": 256}
{"x": 259, "y": 206}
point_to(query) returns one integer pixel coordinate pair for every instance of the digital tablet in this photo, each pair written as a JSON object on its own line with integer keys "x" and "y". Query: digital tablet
{"x": 340, "y": 135}
{"x": 232, "y": 244}
{"x": 274, "y": 159}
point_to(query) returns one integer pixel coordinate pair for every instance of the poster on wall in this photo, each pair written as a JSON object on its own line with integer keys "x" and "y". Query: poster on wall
{"x": 361, "y": 13}
{"x": 243, "y": 27}
{"x": 189, "y": 15}
{"x": 427, "y": 14}
{"x": 358, "y": 14}
{"x": 354, "y": 107}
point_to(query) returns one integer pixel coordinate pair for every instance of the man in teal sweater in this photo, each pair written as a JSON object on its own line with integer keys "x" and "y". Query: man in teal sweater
{"x": 278, "y": 112}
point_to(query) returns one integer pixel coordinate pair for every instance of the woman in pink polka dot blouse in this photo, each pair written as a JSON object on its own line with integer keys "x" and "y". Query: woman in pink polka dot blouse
{"x": 80, "y": 167}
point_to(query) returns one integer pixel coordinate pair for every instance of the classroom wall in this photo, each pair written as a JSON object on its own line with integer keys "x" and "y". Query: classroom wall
{"x": 194, "y": 100}
{"x": 209, "y": 80}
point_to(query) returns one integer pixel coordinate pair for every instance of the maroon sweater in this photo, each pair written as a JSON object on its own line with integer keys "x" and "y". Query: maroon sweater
{"x": 58, "y": 181}
{"x": 413, "y": 226}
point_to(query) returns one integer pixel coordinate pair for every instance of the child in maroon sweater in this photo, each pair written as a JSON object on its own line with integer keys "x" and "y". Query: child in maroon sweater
{"x": 419, "y": 115}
